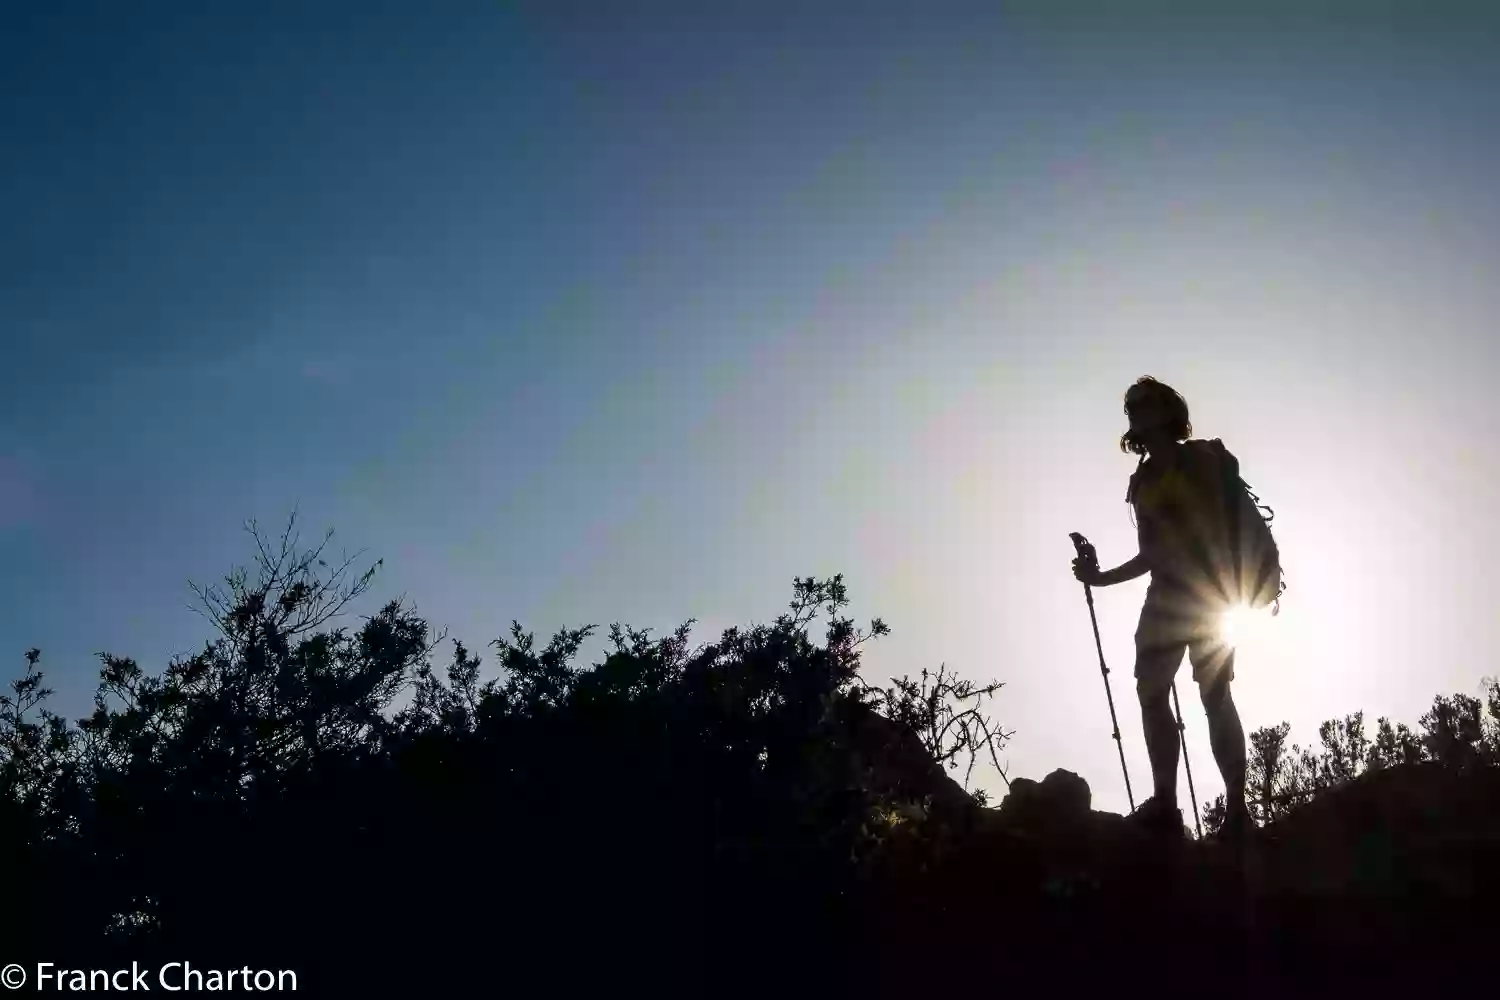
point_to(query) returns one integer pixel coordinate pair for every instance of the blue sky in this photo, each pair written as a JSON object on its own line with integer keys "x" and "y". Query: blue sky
{"x": 583, "y": 312}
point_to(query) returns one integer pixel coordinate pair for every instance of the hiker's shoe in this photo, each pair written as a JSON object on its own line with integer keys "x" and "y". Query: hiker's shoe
{"x": 1159, "y": 816}
{"x": 1238, "y": 826}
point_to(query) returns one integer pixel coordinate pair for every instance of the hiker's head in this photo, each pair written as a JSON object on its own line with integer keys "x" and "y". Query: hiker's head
{"x": 1156, "y": 412}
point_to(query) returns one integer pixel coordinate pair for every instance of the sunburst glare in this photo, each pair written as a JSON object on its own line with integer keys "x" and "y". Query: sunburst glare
{"x": 1240, "y": 623}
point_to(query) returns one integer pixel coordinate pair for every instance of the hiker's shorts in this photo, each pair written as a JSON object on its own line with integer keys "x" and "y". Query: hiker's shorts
{"x": 1172, "y": 621}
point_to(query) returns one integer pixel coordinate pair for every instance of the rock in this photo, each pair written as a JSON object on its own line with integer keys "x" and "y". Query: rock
{"x": 1068, "y": 793}
{"x": 1060, "y": 801}
{"x": 1022, "y": 790}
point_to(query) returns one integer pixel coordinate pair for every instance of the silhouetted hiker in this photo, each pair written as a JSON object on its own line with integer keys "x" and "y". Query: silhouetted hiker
{"x": 1177, "y": 492}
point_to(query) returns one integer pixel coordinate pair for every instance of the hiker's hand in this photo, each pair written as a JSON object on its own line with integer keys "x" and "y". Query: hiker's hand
{"x": 1087, "y": 571}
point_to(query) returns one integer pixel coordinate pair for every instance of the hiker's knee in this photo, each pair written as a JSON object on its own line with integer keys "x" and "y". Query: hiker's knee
{"x": 1213, "y": 689}
{"x": 1155, "y": 666}
{"x": 1153, "y": 689}
{"x": 1213, "y": 669}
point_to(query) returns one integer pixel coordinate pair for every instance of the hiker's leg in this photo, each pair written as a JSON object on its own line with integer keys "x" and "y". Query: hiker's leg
{"x": 1213, "y": 669}
{"x": 1155, "y": 665}
{"x": 1161, "y": 737}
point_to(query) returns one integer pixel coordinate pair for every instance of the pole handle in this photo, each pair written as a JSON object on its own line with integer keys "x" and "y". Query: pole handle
{"x": 1084, "y": 548}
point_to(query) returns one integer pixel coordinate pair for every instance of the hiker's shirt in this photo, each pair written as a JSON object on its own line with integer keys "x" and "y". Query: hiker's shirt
{"x": 1179, "y": 505}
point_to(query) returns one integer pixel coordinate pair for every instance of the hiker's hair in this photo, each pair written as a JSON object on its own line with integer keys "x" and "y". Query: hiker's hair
{"x": 1178, "y": 424}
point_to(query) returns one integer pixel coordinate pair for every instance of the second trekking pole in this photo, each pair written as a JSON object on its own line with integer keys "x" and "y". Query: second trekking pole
{"x": 1182, "y": 735}
{"x": 1086, "y": 553}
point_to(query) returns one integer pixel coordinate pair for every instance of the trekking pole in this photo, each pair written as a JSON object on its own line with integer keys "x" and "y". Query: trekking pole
{"x": 1182, "y": 735}
{"x": 1086, "y": 553}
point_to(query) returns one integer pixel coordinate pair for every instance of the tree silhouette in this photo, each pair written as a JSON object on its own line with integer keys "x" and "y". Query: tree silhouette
{"x": 323, "y": 771}
{"x": 1459, "y": 731}
{"x": 369, "y": 803}
{"x": 947, "y": 715}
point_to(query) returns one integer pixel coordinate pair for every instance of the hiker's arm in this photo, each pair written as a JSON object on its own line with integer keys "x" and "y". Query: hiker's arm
{"x": 1136, "y": 565}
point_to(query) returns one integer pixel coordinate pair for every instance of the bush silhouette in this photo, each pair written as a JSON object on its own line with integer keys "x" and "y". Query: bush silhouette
{"x": 372, "y": 808}
{"x": 301, "y": 793}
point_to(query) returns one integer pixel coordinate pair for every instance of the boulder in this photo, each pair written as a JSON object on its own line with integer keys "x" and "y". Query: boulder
{"x": 1059, "y": 801}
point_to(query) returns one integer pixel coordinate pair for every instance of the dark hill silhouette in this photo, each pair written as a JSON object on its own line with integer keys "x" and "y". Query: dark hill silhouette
{"x": 1389, "y": 878}
{"x": 747, "y": 814}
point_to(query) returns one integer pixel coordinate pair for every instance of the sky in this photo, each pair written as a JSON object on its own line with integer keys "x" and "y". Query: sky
{"x": 580, "y": 313}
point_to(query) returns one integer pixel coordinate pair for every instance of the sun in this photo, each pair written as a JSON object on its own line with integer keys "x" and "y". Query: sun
{"x": 1240, "y": 623}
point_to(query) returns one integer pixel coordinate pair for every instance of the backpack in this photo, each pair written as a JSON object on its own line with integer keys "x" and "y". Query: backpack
{"x": 1255, "y": 559}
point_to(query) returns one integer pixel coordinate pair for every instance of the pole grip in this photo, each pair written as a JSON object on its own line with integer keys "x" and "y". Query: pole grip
{"x": 1084, "y": 548}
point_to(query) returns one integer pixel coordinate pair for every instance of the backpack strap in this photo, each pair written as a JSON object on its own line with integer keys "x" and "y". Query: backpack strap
{"x": 1130, "y": 489}
{"x": 1134, "y": 480}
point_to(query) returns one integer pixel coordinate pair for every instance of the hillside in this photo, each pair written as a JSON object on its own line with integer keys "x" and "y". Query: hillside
{"x": 377, "y": 808}
{"x": 1393, "y": 876}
